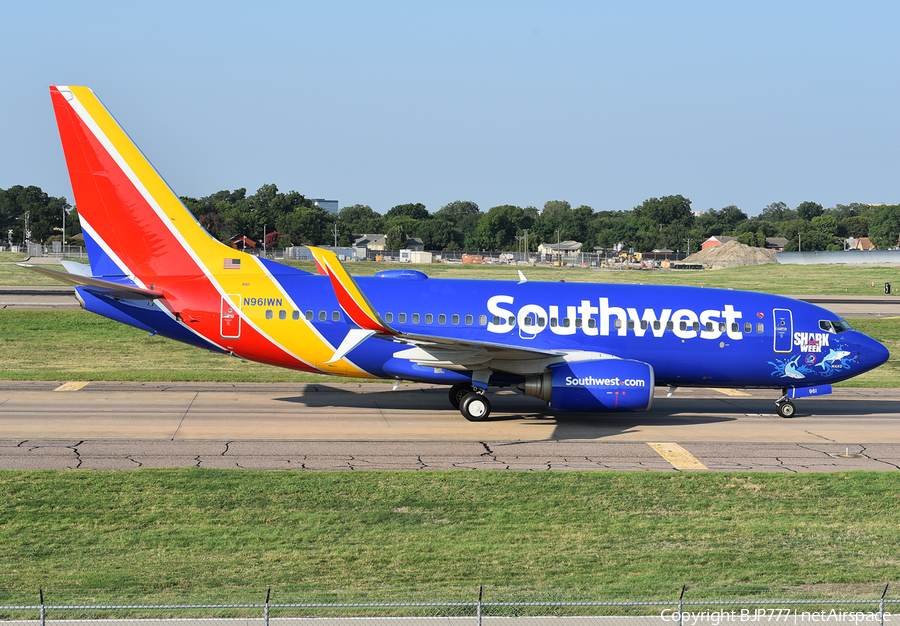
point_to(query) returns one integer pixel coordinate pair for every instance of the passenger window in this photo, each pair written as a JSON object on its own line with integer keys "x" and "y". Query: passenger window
{"x": 682, "y": 325}
{"x": 552, "y": 322}
{"x": 721, "y": 327}
{"x": 618, "y": 323}
{"x": 309, "y": 315}
{"x": 323, "y": 316}
{"x": 578, "y": 322}
{"x": 268, "y": 314}
{"x": 542, "y": 322}
{"x": 429, "y": 318}
{"x": 709, "y": 327}
{"x": 565, "y": 322}
{"x": 657, "y": 324}
{"x": 282, "y": 314}
{"x": 335, "y": 316}
{"x": 735, "y": 327}
{"x": 630, "y": 324}
{"x": 696, "y": 326}
{"x": 527, "y": 321}
{"x": 748, "y": 327}
{"x": 455, "y": 319}
{"x": 388, "y": 317}
{"x": 496, "y": 320}
{"x": 415, "y": 318}
{"x": 442, "y": 319}
{"x": 402, "y": 318}
{"x": 295, "y": 315}
{"x": 644, "y": 324}
{"x": 512, "y": 320}
{"x": 592, "y": 323}
{"x": 760, "y": 328}
{"x": 482, "y": 320}
{"x": 670, "y": 325}
{"x": 469, "y": 320}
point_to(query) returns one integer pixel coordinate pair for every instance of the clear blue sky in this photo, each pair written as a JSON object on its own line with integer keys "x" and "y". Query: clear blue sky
{"x": 382, "y": 103}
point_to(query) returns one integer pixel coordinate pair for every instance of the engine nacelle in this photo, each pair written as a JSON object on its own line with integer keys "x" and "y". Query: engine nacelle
{"x": 595, "y": 386}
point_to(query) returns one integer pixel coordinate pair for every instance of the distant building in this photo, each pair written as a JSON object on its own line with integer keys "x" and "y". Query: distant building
{"x": 863, "y": 243}
{"x": 330, "y": 206}
{"x": 717, "y": 240}
{"x": 776, "y": 243}
{"x": 564, "y": 248}
{"x": 240, "y": 242}
{"x": 415, "y": 243}
{"x": 370, "y": 242}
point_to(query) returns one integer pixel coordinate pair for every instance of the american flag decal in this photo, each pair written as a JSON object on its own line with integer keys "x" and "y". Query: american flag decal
{"x": 232, "y": 264}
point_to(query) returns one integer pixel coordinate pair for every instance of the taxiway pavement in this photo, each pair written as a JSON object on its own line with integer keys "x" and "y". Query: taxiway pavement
{"x": 371, "y": 426}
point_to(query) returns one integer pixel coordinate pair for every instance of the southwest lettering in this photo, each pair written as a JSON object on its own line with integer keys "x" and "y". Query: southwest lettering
{"x": 606, "y": 319}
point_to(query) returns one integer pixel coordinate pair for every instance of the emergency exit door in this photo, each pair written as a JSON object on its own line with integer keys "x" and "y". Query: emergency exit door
{"x": 230, "y": 318}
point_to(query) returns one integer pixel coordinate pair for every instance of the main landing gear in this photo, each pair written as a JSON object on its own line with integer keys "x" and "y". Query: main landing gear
{"x": 471, "y": 402}
{"x": 784, "y": 406}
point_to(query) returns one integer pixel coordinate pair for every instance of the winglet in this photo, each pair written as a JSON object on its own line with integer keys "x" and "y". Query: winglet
{"x": 349, "y": 296}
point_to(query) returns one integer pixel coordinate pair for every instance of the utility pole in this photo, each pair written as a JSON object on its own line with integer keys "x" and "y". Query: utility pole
{"x": 334, "y": 231}
{"x": 689, "y": 246}
{"x": 264, "y": 240}
{"x": 558, "y": 251}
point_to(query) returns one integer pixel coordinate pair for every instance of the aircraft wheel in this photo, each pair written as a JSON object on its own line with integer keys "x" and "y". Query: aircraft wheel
{"x": 786, "y": 409}
{"x": 457, "y": 393}
{"x": 475, "y": 407}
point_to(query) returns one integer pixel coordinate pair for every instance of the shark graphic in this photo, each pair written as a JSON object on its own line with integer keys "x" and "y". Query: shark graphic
{"x": 833, "y": 355}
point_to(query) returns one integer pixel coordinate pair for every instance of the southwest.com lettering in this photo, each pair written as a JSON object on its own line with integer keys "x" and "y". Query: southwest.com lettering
{"x": 590, "y": 381}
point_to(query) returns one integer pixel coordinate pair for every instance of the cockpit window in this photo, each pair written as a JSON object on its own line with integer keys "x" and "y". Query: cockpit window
{"x": 841, "y": 326}
{"x": 834, "y": 326}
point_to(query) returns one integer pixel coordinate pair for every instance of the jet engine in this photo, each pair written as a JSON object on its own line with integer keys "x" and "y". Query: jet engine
{"x": 601, "y": 385}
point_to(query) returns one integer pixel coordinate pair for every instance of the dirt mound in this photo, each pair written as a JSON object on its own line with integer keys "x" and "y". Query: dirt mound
{"x": 731, "y": 254}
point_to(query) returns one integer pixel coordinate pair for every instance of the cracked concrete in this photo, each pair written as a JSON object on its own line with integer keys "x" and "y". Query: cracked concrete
{"x": 359, "y": 426}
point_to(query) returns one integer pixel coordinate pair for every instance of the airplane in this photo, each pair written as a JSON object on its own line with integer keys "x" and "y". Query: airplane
{"x": 582, "y": 347}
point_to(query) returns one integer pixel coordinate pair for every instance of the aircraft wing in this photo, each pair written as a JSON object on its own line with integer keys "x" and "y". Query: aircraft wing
{"x": 100, "y": 286}
{"x": 430, "y": 350}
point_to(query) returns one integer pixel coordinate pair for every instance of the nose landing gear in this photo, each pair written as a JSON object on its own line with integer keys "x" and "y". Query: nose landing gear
{"x": 784, "y": 406}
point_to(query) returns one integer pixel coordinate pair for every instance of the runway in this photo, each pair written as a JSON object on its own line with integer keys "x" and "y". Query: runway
{"x": 345, "y": 426}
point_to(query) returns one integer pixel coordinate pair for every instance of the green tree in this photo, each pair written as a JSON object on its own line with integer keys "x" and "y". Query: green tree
{"x": 498, "y": 228}
{"x": 415, "y": 211}
{"x": 808, "y": 210}
{"x": 884, "y": 230}
{"x": 395, "y": 238}
{"x": 360, "y": 219}
{"x": 463, "y": 216}
{"x": 856, "y": 226}
{"x": 45, "y": 213}
{"x": 777, "y": 212}
{"x": 306, "y": 225}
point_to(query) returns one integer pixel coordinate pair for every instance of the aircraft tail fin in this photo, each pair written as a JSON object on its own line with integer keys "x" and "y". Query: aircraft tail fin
{"x": 134, "y": 224}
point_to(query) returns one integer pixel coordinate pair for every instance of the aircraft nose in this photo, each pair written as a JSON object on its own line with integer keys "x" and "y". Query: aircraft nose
{"x": 873, "y": 352}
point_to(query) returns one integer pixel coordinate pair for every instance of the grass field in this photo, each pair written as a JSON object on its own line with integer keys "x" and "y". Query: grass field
{"x": 211, "y": 528}
{"x": 773, "y": 278}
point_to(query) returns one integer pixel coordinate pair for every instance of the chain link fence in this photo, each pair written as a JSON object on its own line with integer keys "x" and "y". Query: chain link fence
{"x": 856, "y": 605}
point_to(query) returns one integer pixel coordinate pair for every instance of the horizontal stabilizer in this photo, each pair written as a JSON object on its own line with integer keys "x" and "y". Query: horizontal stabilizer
{"x": 98, "y": 285}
